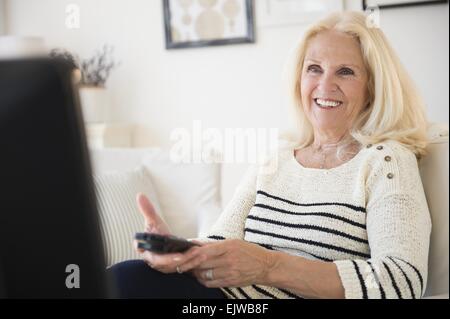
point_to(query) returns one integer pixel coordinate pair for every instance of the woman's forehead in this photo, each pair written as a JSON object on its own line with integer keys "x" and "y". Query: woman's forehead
{"x": 334, "y": 46}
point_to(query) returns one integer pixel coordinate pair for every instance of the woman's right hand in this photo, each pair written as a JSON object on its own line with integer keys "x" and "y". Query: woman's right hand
{"x": 166, "y": 263}
{"x": 152, "y": 222}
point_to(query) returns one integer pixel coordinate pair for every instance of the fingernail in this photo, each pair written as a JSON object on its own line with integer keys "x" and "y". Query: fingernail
{"x": 176, "y": 258}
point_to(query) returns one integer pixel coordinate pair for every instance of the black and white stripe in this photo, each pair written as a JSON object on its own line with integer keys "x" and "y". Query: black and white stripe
{"x": 322, "y": 215}
{"x": 408, "y": 281}
{"x": 314, "y": 214}
{"x": 243, "y": 293}
{"x": 230, "y": 292}
{"x": 393, "y": 281}
{"x": 351, "y": 206}
{"x": 264, "y": 292}
{"x": 361, "y": 280}
{"x": 310, "y": 227}
{"x": 352, "y": 253}
{"x": 289, "y": 294}
{"x": 419, "y": 276}
{"x": 377, "y": 277}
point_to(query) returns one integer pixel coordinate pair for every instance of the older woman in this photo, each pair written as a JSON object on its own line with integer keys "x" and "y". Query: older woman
{"x": 344, "y": 214}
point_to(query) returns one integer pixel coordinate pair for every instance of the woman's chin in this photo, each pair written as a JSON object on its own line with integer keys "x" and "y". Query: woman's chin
{"x": 327, "y": 123}
{"x": 328, "y": 119}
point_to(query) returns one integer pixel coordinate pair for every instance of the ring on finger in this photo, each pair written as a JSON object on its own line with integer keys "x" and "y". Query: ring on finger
{"x": 209, "y": 275}
{"x": 179, "y": 270}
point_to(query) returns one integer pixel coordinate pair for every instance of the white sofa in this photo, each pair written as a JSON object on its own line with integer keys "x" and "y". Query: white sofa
{"x": 190, "y": 195}
{"x": 434, "y": 170}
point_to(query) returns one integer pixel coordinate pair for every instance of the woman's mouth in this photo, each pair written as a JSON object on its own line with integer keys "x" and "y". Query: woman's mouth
{"x": 327, "y": 103}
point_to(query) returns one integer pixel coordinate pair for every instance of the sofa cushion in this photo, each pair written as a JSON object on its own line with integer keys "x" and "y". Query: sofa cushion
{"x": 189, "y": 194}
{"x": 435, "y": 179}
{"x": 106, "y": 160}
{"x": 119, "y": 215}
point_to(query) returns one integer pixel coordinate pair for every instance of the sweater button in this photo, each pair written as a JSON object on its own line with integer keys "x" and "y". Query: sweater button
{"x": 379, "y": 147}
{"x": 390, "y": 176}
{"x": 369, "y": 145}
{"x": 388, "y": 158}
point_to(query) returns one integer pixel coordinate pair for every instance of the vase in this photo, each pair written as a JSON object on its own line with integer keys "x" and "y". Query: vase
{"x": 94, "y": 104}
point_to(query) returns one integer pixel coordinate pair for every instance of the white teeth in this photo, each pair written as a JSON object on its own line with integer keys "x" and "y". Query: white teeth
{"x": 328, "y": 103}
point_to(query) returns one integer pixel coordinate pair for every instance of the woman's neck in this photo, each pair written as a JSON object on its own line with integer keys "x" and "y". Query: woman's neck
{"x": 327, "y": 141}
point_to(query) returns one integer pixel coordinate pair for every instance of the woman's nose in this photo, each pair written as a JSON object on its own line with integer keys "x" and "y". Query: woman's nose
{"x": 328, "y": 83}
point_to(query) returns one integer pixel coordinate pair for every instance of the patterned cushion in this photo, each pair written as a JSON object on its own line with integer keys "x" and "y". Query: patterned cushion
{"x": 119, "y": 216}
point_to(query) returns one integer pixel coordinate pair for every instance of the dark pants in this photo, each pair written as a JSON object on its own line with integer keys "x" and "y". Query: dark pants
{"x": 135, "y": 279}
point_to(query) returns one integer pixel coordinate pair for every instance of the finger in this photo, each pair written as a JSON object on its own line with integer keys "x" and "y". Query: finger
{"x": 213, "y": 262}
{"x": 214, "y": 249}
{"x": 188, "y": 259}
{"x": 217, "y": 274}
{"x": 200, "y": 243}
{"x": 220, "y": 283}
{"x": 161, "y": 269}
{"x": 191, "y": 263}
{"x": 136, "y": 247}
{"x": 146, "y": 208}
{"x": 170, "y": 261}
{"x": 151, "y": 217}
{"x": 159, "y": 260}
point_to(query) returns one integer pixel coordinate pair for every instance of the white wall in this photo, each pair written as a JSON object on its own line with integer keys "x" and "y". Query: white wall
{"x": 2, "y": 17}
{"x": 224, "y": 86}
{"x": 228, "y": 86}
{"x": 420, "y": 36}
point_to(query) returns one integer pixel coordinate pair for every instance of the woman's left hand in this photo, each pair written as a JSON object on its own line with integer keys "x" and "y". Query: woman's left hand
{"x": 233, "y": 263}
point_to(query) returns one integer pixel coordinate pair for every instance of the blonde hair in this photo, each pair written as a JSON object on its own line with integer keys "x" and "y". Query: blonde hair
{"x": 395, "y": 111}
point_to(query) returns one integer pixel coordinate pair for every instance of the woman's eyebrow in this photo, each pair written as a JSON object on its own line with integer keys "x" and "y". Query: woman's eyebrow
{"x": 350, "y": 65}
{"x": 339, "y": 66}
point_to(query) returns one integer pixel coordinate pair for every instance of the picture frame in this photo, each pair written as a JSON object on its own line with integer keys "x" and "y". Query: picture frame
{"x": 204, "y": 23}
{"x": 274, "y": 13}
{"x": 385, "y": 4}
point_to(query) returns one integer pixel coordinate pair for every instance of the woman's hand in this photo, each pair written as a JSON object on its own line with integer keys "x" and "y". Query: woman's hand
{"x": 234, "y": 263}
{"x": 166, "y": 263}
{"x": 152, "y": 222}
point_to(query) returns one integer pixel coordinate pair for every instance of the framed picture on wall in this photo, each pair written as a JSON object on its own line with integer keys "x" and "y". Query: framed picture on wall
{"x": 202, "y": 23}
{"x": 398, "y": 3}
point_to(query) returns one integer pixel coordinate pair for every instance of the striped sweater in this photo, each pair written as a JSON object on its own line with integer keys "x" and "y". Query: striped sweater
{"x": 369, "y": 216}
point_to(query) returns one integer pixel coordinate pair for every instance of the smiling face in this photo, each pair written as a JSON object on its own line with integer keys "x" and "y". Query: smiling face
{"x": 334, "y": 82}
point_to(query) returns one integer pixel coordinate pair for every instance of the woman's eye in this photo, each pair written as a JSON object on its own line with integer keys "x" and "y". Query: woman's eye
{"x": 314, "y": 68}
{"x": 346, "y": 71}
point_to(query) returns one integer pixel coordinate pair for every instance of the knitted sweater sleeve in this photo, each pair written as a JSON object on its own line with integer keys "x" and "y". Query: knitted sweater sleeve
{"x": 230, "y": 224}
{"x": 398, "y": 228}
